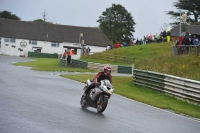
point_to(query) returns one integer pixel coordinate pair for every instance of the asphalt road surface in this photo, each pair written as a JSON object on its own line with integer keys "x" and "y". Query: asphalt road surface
{"x": 43, "y": 102}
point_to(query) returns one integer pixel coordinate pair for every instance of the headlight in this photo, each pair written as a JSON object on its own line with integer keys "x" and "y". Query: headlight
{"x": 110, "y": 91}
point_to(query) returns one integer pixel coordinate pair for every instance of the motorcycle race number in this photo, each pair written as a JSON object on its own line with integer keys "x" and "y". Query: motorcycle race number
{"x": 107, "y": 82}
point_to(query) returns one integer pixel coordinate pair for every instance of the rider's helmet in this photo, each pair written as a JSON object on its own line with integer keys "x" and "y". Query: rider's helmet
{"x": 107, "y": 70}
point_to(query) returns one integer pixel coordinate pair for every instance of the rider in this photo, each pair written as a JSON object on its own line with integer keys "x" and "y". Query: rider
{"x": 105, "y": 74}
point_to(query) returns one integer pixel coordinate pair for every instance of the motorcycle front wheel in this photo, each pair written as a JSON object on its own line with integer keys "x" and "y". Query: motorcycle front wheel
{"x": 102, "y": 106}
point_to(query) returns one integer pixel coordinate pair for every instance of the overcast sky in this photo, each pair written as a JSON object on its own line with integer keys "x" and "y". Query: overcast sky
{"x": 149, "y": 15}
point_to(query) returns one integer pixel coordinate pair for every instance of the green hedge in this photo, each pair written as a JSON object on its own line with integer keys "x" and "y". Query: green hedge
{"x": 79, "y": 63}
{"x": 42, "y": 55}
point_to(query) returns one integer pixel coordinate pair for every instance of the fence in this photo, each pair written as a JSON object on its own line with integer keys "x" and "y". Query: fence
{"x": 99, "y": 67}
{"x": 186, "y": 89}
{"x": 111, "y": 58}
{"x": 42, "y": 55}
{"x": 185, "y": 49}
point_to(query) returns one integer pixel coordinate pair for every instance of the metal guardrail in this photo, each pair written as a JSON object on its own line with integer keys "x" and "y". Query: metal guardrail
{"x": 182, "y": 88}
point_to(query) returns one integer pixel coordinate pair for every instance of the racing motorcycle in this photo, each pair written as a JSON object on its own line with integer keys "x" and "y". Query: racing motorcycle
{"x": 98, "y": 96}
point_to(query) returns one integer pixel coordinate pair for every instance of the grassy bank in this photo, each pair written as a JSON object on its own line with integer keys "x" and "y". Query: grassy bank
{"x": 157, "y": 57}
{"x": 125, "y": 87}
{"x": 186, "y": 66}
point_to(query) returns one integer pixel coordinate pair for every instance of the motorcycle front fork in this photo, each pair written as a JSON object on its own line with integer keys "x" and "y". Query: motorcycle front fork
{"x": 100, "y": 101}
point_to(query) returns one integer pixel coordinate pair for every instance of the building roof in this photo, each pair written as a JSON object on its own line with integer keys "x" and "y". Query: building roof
{"x": 51, "y": 32}
{"x": 192, "y": 29}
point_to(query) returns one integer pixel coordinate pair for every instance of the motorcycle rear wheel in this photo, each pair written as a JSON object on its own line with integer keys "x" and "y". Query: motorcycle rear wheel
{"x": 101, "y": 107}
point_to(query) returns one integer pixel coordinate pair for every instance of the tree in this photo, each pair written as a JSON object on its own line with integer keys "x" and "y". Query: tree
{"x": 116, "y": 23}
{"x": 44, "y": 18}
{"x": 190, "y": 7}
{"x": 44, "y": 14}
{"x": 9, "y": 15}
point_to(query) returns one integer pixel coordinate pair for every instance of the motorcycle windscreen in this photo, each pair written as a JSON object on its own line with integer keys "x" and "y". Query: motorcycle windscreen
{"x": 107, "y": 84}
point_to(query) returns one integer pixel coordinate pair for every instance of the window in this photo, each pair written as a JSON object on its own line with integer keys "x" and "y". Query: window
{"x": 12, "y": 40}
{"x": 6, "y": 40}
{"x": 54, "y": 44}
{"x": 33, "y": 42}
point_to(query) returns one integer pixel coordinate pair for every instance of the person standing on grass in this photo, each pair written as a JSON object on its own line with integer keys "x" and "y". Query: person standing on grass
{"x": 186, "y": 42}
{"x": 145, "y": 40}
{"x": 168, "y": 35}
{"x": 65, "y": 54}
{"x": 108, "y": 47}
{"x": 195, "y": 41}
{"x": 179, "y": 45}
{"x": 88, "y": 50}
{"x": 117, "y": 45}
{"x": 137, "y": 41}
{"x": 70, "y": 53}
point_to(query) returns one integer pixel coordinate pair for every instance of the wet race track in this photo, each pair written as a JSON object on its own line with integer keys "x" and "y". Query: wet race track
{"x": 43, "y": 102}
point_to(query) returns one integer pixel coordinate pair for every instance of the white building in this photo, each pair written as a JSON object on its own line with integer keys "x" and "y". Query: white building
{"x": 20, "y": 37}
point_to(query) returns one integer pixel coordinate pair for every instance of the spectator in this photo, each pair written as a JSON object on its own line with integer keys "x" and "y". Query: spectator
{"x": 145, "y": 40}
{"x": 179, "y": 45}
{"x": 65, "y": 54}
{"x": 168, "y": 35}
{"x": 141, "y": 42}
{"x": 108, "y": 47}
{"x": 117, "y": 45}
{"x": 83, "y": 49}
{"x": 186, "y": 43}
{"x": 70, "y": 53}
{"x": 164, "y": 34}
{"x": 132, "y": 43}
{"x": 88, "y": 50}
{"x": 195, "y": 40}
{"x": 73, "y": 52}
{"x": 137, "y": 41}
{"x": 150, "y": 36}
{"x": 161, "y": 33}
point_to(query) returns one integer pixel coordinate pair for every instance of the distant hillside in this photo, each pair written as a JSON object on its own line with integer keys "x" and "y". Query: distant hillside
{"x": 158, "y": 57}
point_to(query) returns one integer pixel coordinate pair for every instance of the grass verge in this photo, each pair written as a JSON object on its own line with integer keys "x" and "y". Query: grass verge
{"x": 47, "y": 64}
{"x": 144, "y": 95}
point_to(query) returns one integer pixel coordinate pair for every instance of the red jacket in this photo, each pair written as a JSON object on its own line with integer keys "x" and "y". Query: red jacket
{"x": 101, "y": 76}
{"x": 117, "y": 45}
{"x": 181, "y": 38}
